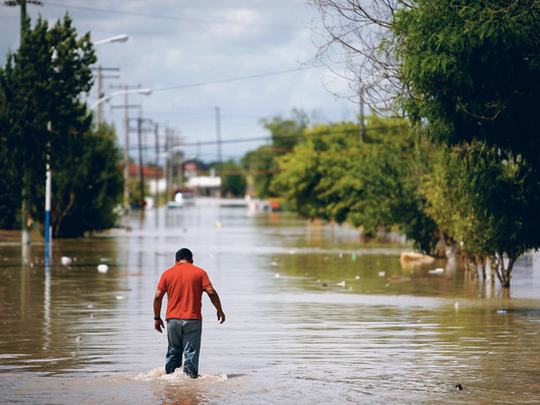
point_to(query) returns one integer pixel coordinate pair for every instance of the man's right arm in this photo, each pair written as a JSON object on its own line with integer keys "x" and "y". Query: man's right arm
{"x": 214, "y": 297}
{"x": 158, "y": 323}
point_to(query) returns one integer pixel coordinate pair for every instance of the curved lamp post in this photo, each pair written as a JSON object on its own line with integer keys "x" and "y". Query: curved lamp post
{"x": 118, "y": 93}
{"x": 117, "y": 38}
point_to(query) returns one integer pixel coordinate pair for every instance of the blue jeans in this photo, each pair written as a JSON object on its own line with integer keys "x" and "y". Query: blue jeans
{"x": 184, "y": 337}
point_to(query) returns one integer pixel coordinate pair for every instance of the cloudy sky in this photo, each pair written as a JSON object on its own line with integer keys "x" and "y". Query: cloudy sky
{"x": 187, "y": 50}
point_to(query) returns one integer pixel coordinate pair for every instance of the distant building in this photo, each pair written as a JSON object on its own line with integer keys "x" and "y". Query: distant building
{"x": 153, "y": 177}
{"x": 205, "y": 186}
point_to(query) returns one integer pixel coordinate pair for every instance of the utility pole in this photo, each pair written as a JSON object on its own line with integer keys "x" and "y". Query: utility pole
{"x": 140, "y": 121}
{"x": 156, "y": 133}
{"x": 218, "y": 134}
{"x": 100, "y": 93}
{"x": 141, "y": 174}
{"x": 25, "y": 192}
{"x": 166, "y": 169}
{"x": 125, "y": 87}
{"x": 126, "y": 150}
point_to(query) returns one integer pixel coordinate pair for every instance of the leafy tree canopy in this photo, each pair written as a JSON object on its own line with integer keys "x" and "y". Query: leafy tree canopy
{"x": 487, "y": 201}
{"x": 285, "y": 134}
{"x": 472, "y": 69}
{"x": 44, "y": 120}
{"x": 372, "y": 184}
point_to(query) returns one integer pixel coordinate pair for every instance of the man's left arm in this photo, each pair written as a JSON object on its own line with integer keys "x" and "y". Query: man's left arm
{"x": 158, "y": 323}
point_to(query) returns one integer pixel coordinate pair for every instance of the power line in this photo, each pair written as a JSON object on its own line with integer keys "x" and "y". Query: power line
{"x": 174, "y": 18}
{"x": 234, "y": 79}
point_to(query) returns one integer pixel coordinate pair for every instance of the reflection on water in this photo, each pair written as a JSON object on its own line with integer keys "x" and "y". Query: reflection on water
{"x": 314, "y": 315}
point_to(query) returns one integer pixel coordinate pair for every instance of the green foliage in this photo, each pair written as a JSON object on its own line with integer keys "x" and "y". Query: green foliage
{"x": 472, "y": 69}
{"x": 87, "y": 184}
{"x": 263, "y": 162}
{"x": 486, "y": 200}
{"x": 43, "y": 119}
{"x": 233, "y": 180}
{"x": 372, "y": 184}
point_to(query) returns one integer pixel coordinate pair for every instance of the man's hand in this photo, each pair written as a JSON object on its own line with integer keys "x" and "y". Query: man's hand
{"x": 158, "y": 324}
{"x": 214, "y": 297}
{"x": 220, "y": 316}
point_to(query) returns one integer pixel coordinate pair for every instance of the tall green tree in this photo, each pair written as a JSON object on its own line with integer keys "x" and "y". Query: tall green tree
{"x": 233, "y": 179}
{"x": 87, "y": 184}
{"x": 488, "y": 202}
{"x": 371, "y": 184}
{"x": 472, "y": 69}
{"x": 44, "y": 120}
{"x": 285, "y": 133}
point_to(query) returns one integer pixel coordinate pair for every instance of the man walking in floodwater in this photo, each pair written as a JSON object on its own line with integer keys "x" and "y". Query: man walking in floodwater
{"x": 184, "y": 284}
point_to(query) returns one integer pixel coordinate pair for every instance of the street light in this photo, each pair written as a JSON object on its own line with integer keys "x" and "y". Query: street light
{"x": 118, "y": 38}
{"x": 107, "y": 97}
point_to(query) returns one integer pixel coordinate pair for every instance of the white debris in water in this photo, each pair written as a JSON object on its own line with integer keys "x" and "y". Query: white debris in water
{"x": 277, "y": 275}
{"x": 438, "y": 270}
{"x": 103, "y": 268}
{"x": 342, "y": 284}
{"x": 120, "y": 297}
{"x": 66, "y": 260}
{"x": 274, "y": 264}
{"x": 78, "y": 339}
{"x": 456, "y": 305}
{"x": 357, "y": 278}
{"x": 382, "y": 273}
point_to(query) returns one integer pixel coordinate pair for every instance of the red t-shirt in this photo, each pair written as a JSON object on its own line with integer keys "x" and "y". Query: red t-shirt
{"x": 184, "y": 284}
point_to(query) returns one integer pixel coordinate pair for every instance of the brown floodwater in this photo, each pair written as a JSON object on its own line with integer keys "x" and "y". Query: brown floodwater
{"x": 314, "y": 315}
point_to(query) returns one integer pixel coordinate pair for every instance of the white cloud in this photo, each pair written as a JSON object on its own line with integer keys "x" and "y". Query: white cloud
{"x": 175, "y": 42}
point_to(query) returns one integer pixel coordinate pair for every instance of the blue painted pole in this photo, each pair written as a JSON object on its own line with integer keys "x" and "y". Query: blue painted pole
{"x": 48, "y": 210}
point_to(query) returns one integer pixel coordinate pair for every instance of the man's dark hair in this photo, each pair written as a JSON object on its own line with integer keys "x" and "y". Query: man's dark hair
{"x": 184, "y": 254}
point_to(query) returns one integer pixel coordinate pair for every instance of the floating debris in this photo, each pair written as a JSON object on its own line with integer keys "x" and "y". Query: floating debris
{"x": 342, "y": 284}
{"x": 277, "y": 275}
{"x": 382, "y": 273}
{"x": 439, "y": 270}
{"x": 103, "y": 268}
{"x": 274, "y": 264}
{"x": 459, "y": 387}
{"x": 416, "y": 257}
{"x": 354, "y": 256}
{"x": 66, "y": 261}
{"x": 357, "y": 278}
{"x": 399, "y": 278}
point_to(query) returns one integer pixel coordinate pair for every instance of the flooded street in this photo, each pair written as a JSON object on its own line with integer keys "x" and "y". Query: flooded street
{"x": 314, "y": 315}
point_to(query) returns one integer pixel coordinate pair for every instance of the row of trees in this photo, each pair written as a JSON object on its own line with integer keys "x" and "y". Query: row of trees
{"x": 465, "y": 165}
{"x": 44, "y": 120}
